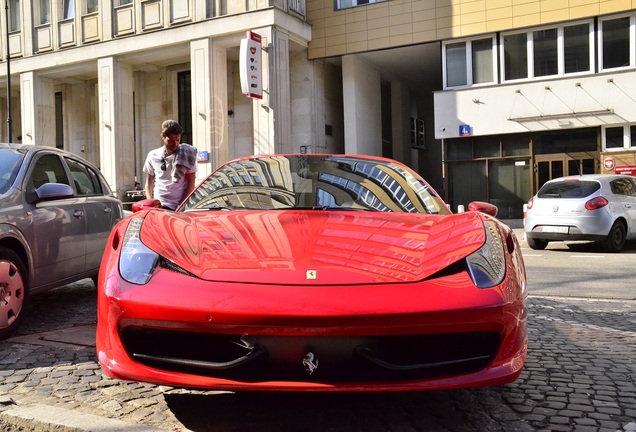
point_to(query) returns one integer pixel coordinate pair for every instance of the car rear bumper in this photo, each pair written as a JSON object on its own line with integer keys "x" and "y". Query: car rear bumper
{"x": 567, "y": 228}
{"x": 575, "y": 236}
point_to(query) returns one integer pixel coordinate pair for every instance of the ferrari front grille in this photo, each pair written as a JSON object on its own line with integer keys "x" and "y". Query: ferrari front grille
{"x": 320, "y": 359}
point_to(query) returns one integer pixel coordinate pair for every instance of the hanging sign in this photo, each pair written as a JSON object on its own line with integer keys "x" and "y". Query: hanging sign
{"x": 250, "y": 66}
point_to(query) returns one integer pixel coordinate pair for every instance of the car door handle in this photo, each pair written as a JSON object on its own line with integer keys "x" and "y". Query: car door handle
{"x": 78, "y": 213}
{"x": 108, "y": 210}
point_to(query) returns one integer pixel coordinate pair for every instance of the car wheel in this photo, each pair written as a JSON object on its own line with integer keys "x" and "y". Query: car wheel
{"x": 536, "y": 244}
{"x": 615, "y": 240}
{"x": 14, "y": 292}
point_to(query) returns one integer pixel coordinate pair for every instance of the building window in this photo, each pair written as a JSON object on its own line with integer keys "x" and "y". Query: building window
{"x": 184, "y": 99}
{"x": 548, "y": 52}
{"x": 616, "y": 40}
{"x": 456, "y": 75}
{"x": 69, "y": 9}
{"x": 515, "y": 47}
{"x": 44, "y": 11}
{"x": 469, "y": 62}
{"x": 545, "y": 52}
{"x": 92, "y": 6}
{"x": 619, "y": 138}
{"x": 577, "y": 48}
{"x": 59, "y": 120}
{"x": 483, "y": 61}
{"x": 14, "y": 15}
{"x": 344, "y": 4}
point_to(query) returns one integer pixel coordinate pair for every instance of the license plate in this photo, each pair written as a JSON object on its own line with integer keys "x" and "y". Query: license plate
{"x": 555, "y": 229}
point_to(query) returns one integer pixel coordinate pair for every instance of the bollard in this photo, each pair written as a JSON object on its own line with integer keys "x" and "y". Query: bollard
{"x": 523, "y": 222}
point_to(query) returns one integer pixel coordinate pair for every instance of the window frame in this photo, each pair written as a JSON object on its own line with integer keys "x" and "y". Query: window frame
{"x": 42, "y": 12}
{"x": 628, "y": 139}
{"x": 15, "y": 16}
{"x": 91, "y": 7}
{"x": 632, "y": 41}
{"x": 560, "y": 39}
{"x": 337, "y": 5}
{"x": 468, "y": 52}
{"x": 67, "y": 10}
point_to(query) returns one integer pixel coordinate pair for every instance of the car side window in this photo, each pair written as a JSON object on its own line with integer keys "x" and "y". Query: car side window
{"x": 633, "y": 180}
{"x": 623, "y": 187}
{"x": 85, "y": 179}
{"x": 47, "y": 169}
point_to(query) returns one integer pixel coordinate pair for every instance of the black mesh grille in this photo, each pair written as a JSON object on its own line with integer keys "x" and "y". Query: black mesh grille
{"x": 338, "y": 359}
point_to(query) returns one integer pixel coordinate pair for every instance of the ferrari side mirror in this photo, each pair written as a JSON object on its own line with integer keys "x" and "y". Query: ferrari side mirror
{"x": 145, "y": 205}
{"x": 483, "y": 207}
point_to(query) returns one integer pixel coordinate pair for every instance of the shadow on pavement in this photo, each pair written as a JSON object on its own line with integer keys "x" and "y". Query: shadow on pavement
{"x": 342, "y": 412}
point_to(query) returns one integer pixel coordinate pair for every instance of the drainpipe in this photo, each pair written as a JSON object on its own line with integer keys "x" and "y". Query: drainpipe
{"x": 9, "y": 121}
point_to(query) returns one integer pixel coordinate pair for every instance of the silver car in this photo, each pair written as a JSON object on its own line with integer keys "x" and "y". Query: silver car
{"x": 596, "y": 207}
{"x": 56, "y": 213}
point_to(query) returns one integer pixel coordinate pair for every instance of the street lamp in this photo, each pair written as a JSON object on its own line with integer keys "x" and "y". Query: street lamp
{"x": 9, "y": 121}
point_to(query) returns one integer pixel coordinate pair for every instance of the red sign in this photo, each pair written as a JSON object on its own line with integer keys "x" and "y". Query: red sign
{"x": 625, "y": 169}
{"x": 608, "y": 163}
{"x": 250, "y": 66}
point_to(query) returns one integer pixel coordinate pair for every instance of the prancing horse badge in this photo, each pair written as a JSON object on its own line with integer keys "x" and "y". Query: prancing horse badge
{"x": 310, "y": 362}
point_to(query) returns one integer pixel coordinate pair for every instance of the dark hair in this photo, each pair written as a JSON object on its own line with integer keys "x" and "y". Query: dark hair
{"x": 170, "y": 127}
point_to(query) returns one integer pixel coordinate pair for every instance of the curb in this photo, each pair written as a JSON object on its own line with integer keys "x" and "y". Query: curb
{"x": 46, "y": 418}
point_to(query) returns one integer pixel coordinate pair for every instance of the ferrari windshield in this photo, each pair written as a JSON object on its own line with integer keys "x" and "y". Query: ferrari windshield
{"x": 315, "y": 182}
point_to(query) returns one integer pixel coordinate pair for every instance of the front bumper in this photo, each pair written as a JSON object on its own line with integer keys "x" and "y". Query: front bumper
{"x": 183, "y": 332}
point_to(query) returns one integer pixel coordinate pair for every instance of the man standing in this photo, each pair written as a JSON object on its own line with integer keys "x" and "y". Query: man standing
{"x": 170, "y": 169}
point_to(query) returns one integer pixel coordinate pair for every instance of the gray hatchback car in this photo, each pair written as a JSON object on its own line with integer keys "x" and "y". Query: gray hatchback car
{"x": 56, "y": 213}
{"x": 596, "y": 207}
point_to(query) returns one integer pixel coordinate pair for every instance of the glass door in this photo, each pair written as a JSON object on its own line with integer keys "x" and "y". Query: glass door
{"x": 551, "y": 166}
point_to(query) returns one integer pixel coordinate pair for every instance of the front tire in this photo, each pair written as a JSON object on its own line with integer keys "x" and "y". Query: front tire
{"x": 14, "y": 292}
{"x": 536, "y": 244}
{"x": 615, "y": 240}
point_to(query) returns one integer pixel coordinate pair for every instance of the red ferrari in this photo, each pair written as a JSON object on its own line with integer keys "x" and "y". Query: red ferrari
{"x": 313, "y": 273}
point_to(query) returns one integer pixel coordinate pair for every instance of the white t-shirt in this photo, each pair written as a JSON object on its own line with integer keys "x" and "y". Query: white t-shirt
{"x": 171, "y": 184}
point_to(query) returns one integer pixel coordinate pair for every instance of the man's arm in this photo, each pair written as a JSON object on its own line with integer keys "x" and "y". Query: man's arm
{"x": 150, "y": 186}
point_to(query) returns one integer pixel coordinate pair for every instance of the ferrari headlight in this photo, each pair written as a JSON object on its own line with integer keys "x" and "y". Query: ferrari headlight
{"x": 136, "y": 261}
{"x": 487, "y": 266}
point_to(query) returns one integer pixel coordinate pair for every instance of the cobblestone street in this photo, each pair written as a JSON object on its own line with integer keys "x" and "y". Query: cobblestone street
{"x": 580, "y": 376}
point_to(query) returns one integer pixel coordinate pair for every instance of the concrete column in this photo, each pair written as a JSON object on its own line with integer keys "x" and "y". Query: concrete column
{"x": 209, "y": 103}
{"x": 37, "y": 110}
{"x": 308, "y": 116}
{"x": 362, "y": 106}
{"x": 263, "y": 109}
{"x": 400, "y": 115}
{"x": 116, "y": 125}
{"x": 280, "y": 95}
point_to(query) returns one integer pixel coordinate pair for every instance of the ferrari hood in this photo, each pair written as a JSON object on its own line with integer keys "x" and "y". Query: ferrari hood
{"x": 312, "y": 247}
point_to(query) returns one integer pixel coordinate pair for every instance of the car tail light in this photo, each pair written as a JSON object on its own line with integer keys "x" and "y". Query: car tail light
{"x": 530, "y": 203}
{"x": 596, "y": 203}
